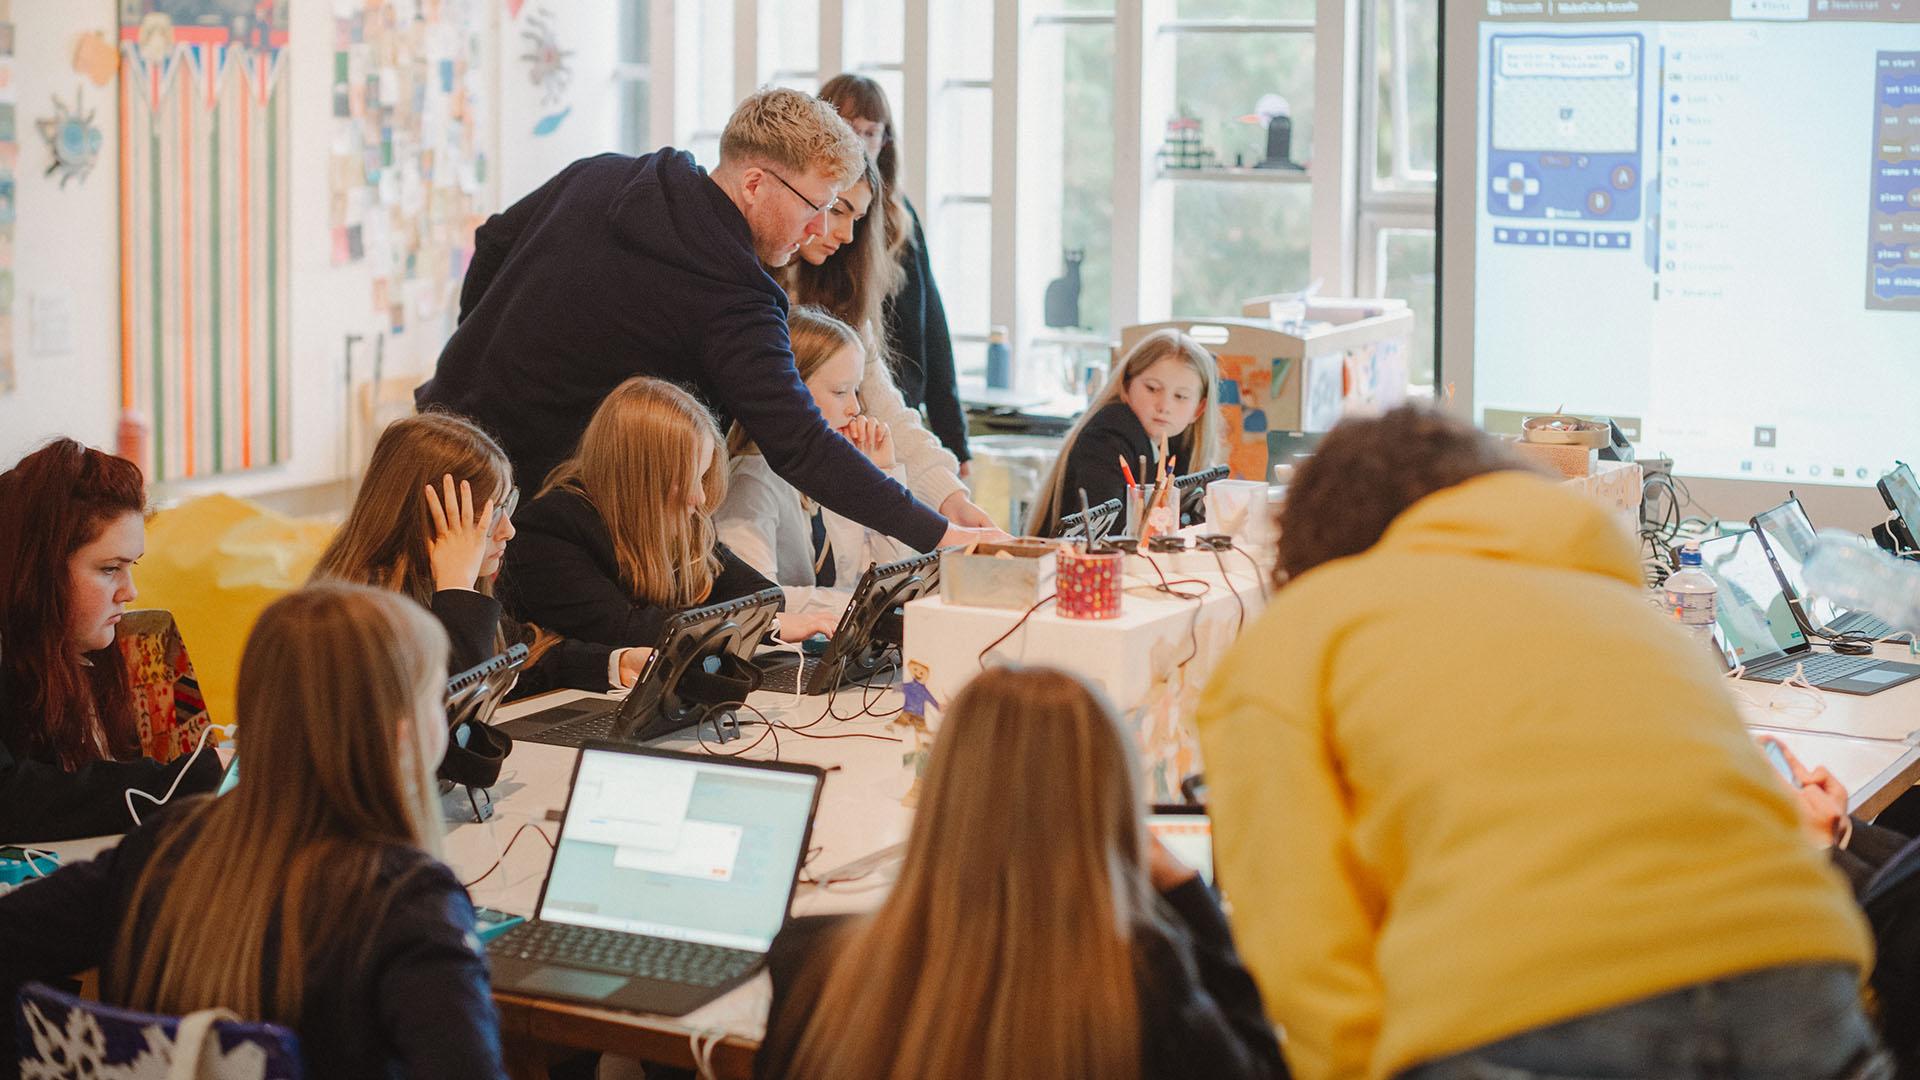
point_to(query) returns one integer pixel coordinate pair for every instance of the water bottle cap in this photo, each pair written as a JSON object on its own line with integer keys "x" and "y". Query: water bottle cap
{"x": 1690, "y": 555}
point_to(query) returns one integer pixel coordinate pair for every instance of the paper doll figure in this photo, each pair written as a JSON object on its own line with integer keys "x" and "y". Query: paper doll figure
{"x": 914, "y": 700}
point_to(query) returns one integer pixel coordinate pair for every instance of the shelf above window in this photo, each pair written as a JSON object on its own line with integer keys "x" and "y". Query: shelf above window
{"x": 1241, "y": 176}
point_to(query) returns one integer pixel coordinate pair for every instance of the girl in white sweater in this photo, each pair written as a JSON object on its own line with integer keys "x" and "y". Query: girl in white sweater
{"x": 814, "y": 555}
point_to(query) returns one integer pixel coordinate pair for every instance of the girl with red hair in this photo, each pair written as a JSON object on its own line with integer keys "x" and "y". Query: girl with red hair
{"x": 72, "y": 526}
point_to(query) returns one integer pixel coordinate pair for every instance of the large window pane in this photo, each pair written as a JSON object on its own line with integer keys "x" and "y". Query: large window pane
{"x": 1225, "y": 81}
{"x": 790, "y": 44}
{"x": 706, "y": 78}
{"x": 962, "y": 33}
{"x": 634, "y": 31}
{"x": 1406, "y": 273}
{"x": 961, "y": 154}
{"x": 1235, "y": 240}
{"x": 1069, "y": 154}
{"x": 875, "y": 32}
{"x": 634, "y": 136}
{"x": 1407, "y": 50}
{"x": 961, "y": 249}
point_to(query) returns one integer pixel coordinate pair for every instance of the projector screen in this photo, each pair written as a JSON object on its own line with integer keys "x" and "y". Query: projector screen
{"x": 1701, "y": 218}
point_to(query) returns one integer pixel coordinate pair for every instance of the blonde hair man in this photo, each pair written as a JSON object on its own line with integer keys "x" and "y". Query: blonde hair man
{"x": 623, "y": 266}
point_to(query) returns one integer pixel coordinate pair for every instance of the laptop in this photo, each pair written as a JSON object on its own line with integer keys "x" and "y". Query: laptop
{"x": 1786, "y": 533}
{"x": 868, "y": 636}
{"x": 1901, "y": 493}
{"x": 1756, "y": 627}
{"x": 671, "y": 875}
{"x": 701, "y": 665}
{"x": 472, "y": 695}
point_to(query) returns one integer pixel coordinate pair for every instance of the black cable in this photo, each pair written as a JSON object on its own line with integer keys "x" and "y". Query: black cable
{"x": 768, "y": 730}
{"x": 1259, "y": 575}
{"x": 995, "y": 643}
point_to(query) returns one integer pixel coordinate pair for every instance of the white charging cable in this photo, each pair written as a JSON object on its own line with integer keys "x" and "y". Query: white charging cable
{"x": 1797, "y": 682}
{"x": 224, "y": 729}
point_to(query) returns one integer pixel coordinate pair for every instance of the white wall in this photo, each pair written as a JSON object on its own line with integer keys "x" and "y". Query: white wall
{"x": 67, "y": 241}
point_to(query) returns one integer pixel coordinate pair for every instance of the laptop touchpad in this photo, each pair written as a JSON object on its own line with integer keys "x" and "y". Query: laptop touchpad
{"x": 589, "y": 984}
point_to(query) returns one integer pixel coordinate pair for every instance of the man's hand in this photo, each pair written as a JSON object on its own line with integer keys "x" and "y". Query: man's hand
{"x": 959, "y": 510}
{"x": 961, "y": 535}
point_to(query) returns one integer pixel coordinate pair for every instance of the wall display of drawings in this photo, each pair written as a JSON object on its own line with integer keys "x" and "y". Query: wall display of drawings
{"x": 9, "y": 159}
{"x": 407, "y": 172}
{"x": 204, "y": 143}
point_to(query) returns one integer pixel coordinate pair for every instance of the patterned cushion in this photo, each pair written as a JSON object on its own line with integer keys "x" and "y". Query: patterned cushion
{"x": 65, "y": 1038}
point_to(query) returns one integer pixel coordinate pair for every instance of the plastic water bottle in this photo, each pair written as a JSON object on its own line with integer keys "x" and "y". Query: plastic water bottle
{"x": 1691, "y": 594}
{"x": 1846, "y": 570}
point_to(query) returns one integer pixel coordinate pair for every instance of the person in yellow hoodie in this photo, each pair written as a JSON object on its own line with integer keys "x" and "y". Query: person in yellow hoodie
{"x": 1483, "y": 813}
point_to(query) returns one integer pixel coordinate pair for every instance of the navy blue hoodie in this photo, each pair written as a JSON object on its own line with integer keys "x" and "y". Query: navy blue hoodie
{"x": 623, "y": 266}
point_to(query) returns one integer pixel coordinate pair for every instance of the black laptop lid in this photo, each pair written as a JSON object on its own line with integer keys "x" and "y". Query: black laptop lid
{"x": 1754, "y": 625}
{"x": 1789, "y": 537}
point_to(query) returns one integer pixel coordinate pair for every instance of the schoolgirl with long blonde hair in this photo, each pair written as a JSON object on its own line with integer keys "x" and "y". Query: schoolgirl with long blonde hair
{"x": 1035, "y": 928}
{"x": 621, "y": 535}
{"x": 1163, "y": 398}
{"x": 241, "y": 902}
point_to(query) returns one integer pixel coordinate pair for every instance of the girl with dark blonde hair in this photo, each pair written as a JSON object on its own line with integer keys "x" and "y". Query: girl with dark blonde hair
{"x": 431, "y": 521}
{"x": 621, "y": 535}
{"x": 1035, "y": 930}
{"x": 915, "y": 335}
{"x": 849, "y": 271}
{"x": 801, "y": 545}
{"x": 313, "y": 894}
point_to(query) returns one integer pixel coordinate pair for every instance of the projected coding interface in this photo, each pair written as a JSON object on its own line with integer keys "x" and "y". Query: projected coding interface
{"x": 1707, "y": 225}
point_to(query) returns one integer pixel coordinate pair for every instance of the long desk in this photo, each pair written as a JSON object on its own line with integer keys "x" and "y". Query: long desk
{"x": 860, "y": 814}
{"x": 1870, "y": 743}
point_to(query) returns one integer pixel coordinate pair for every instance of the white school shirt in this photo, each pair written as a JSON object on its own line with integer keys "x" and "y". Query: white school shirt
{"x": 767, "y": 524}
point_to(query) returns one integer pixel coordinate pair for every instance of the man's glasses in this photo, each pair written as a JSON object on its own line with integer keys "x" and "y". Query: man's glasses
{"x": 817, "y": 208}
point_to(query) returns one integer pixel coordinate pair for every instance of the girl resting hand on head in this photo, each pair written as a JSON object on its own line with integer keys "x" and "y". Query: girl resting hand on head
{"x": 432, "y": 520}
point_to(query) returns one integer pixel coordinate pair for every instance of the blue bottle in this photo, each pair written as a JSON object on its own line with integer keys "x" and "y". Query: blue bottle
{"x": 999, "y": 360}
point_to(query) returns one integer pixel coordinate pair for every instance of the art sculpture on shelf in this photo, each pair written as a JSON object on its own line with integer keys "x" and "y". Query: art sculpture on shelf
{"x": 1063, "y": 292}
{"x": 1184, "y": 148}
{"x": 1273, "y": 111}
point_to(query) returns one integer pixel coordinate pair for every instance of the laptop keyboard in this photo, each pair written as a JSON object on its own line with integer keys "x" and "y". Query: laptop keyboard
{"x": 576, "y": 732}
{"x": 633, "y": 955}
{"x": 1820, "y": 667}
{"x": 1870, "y": 626}
{"x": 783, "y": 680}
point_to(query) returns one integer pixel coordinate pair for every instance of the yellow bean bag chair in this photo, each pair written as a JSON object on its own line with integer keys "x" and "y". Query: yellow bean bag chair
{"x": 216, "y": 562}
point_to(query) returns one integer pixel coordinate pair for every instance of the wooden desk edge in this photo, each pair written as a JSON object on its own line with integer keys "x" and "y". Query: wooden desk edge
{"x": 539, "y": 1022}
{"x": 1892, "y": 782}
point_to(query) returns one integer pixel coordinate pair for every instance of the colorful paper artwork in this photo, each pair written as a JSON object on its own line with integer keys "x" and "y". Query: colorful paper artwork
{"x": 547, "y": 68}
{"x": 73, "y": 139}
{"x": 1246, "y": 386}
{"x": 9, "y": 160}
{"x": 96, "y": 58}
{"x": 407, "y": 171}
{"x": 204, "y": 141}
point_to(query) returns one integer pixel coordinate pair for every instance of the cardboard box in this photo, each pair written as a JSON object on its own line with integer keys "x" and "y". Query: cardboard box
{"x": 1013, "y": 576}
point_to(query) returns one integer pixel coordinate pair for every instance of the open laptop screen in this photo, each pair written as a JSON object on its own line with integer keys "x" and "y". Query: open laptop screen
{"x": 1754, "y": 621}
{"x": 1905, "y": 493}
{"x": 1791, "y": 538}
{"x": 695, "y": 850}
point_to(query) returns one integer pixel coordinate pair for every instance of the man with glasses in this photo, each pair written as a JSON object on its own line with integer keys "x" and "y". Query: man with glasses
{"x": 623, "y": 266}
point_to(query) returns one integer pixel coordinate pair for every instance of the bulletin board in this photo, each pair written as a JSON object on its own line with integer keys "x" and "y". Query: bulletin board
{"x": 407, "y": 169}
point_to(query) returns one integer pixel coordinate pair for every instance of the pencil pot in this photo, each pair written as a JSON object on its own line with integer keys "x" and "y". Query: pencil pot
{"x": 1087, "y": 584}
